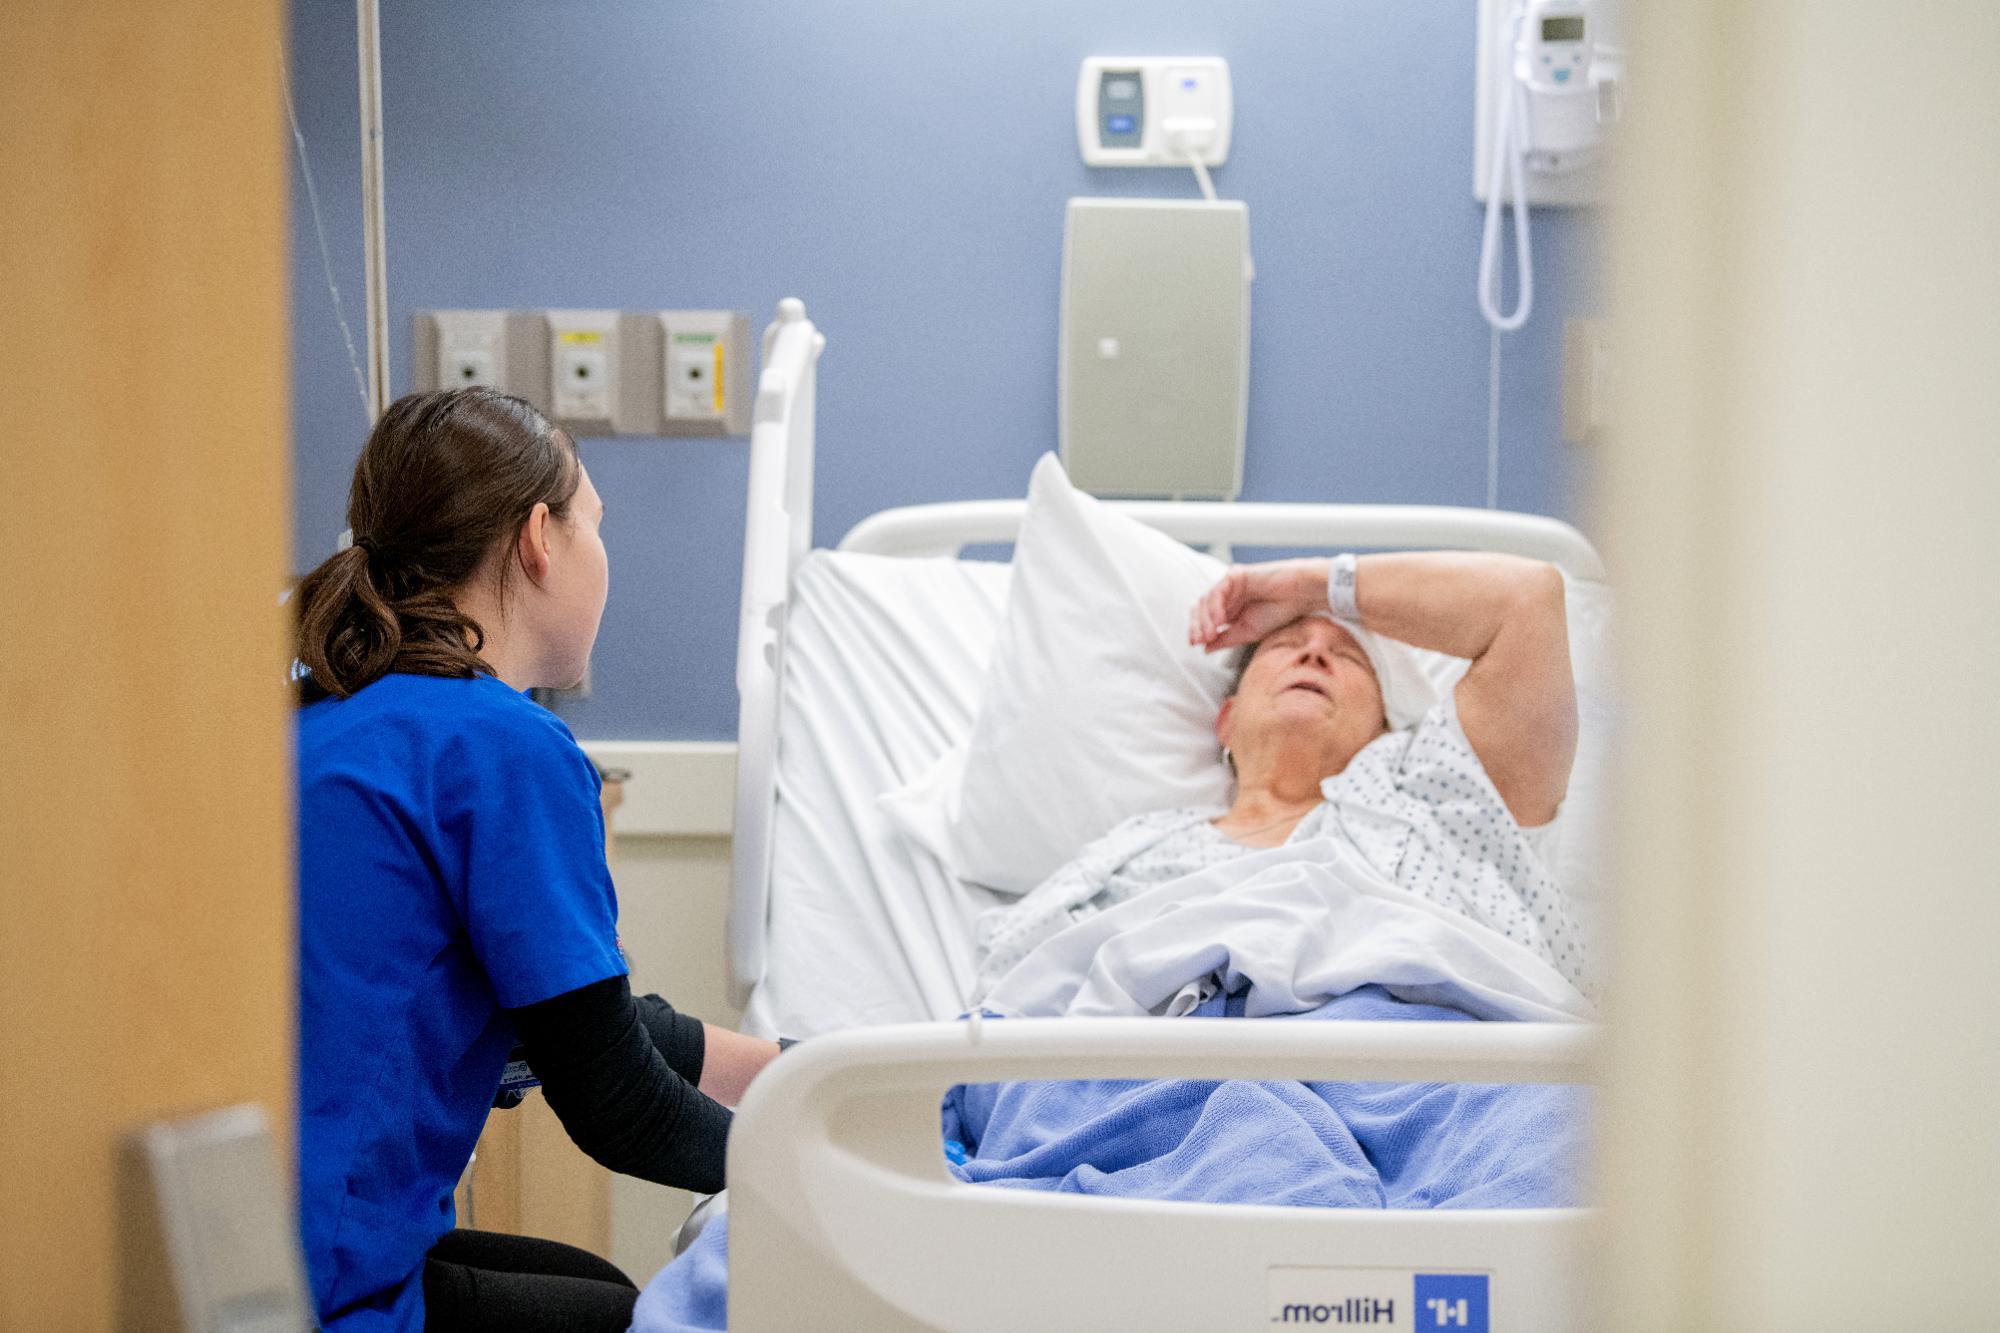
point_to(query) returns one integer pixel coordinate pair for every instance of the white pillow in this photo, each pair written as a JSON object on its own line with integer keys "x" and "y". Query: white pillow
{"x": 1095, "y": 706}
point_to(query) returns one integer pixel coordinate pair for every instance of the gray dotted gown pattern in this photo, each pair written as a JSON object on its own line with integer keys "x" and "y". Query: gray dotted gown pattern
{"x": 1417, "y": 805}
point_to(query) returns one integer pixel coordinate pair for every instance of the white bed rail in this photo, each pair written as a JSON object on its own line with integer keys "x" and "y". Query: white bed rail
{"x": 946, "y": 529}
{"x": 842, "y": 1214}
{"x": 777, "y": 534}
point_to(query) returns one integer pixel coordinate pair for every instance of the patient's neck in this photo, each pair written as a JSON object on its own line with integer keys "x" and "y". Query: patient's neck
{"x": 1255, "y": 803}
{"x": 1273, "y": 792}
{"x": 1286, "y": 771}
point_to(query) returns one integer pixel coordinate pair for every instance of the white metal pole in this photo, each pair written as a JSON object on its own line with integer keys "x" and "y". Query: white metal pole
{"x": 368, "y": 20}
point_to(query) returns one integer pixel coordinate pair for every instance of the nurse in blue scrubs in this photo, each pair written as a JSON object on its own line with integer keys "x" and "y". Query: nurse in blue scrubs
{"x": 454, "y": 904}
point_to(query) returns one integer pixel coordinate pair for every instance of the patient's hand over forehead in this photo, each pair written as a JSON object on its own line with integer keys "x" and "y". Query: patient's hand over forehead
{"x": 1251, "y": 602}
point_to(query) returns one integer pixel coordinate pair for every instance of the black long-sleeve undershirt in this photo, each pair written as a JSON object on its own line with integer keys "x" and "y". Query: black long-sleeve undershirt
{"x": 621, "y": 1073}
{"x": 678, "y": 1037}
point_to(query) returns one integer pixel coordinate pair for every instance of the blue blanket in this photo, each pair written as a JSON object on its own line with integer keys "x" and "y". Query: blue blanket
{"x": 1353, "y": 1145}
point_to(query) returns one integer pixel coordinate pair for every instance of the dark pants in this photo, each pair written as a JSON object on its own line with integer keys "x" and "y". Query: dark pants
{"x": 476, "y": 1280}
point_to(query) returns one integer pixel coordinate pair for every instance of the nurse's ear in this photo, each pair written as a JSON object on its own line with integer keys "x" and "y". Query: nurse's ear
{"x": 531, "y": 547}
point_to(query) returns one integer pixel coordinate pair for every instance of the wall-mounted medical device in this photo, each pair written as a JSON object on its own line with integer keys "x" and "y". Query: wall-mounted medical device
{"x": 585, "y": 366}
{"x": 1154, "y": 363}
{"x": 598, "y": 372}
{"x": 503, "y": 349}
{"x": 1547, "y": 93}
{"x": 1154, "y": 111}
{"x": 705, "y": 372}
{"x": 1551, "y": 71}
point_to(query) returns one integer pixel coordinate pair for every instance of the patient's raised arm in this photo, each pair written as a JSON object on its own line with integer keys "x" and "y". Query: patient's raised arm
{"x": 1517, "y": 703}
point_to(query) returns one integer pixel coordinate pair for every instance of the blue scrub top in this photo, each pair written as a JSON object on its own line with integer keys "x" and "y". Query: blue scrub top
{"x": 451, "y": 866}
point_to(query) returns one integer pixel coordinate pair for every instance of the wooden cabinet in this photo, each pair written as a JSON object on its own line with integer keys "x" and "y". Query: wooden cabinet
{"x": 526, "y": 1177}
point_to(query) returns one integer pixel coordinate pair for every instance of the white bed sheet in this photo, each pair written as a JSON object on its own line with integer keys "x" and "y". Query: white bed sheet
{"x": 884, "y": 660}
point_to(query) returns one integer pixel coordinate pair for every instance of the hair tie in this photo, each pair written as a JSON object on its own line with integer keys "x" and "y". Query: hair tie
{"x": 367, "y": 546}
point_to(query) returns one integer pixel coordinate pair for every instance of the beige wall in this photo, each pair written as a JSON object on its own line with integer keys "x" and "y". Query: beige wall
{"x": 145, "y": 860}
{"x": 1806, "y": 1078}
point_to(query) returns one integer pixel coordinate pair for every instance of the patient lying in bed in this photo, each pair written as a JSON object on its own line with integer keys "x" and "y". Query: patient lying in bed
{"x": 1458, "y": 809}
{"x": 1360, "y": 872}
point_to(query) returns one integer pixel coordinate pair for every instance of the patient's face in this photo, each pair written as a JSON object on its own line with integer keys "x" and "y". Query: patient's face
{"x": 1309, "y": 679}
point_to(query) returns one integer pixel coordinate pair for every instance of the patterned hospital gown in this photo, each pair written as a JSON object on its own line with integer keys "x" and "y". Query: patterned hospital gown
{"x": 1417, "y": 804}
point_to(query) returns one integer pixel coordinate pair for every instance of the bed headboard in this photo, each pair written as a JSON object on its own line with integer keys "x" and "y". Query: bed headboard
{"x": 946, "y": 529}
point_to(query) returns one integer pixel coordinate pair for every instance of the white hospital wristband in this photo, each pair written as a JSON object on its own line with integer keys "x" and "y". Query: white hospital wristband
{"x": 1340, "y": 588}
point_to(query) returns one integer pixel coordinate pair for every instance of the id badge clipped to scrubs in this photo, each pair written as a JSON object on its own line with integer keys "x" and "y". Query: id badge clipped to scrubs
{"x": 515, "y": 1080}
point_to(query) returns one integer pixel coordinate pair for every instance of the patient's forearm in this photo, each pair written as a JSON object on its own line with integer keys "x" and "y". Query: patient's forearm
{"x": 1455, "y": 602}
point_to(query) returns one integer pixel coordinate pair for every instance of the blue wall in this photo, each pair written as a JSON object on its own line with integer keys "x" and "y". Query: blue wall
{"x": 902, "y": 165}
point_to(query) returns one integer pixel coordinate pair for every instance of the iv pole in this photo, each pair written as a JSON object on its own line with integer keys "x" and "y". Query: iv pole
{"x": 368, "y": 20}
{"x": 374, "y": 265}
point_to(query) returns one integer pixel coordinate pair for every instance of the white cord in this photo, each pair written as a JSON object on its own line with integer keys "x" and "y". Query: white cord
{"x": 1201, "y": 174}
{"x": 1507, "y": 158}
{"x": 1493, "y": 422}
{"x": 319, "y": 229}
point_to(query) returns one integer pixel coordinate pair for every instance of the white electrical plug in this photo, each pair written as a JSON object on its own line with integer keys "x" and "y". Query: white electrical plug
{"x": 1189, "y": 134}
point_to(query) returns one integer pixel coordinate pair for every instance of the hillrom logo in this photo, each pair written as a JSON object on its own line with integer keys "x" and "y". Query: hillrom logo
{"x": 1452, "y": 1300}
{"x": 1382, "y": 1300}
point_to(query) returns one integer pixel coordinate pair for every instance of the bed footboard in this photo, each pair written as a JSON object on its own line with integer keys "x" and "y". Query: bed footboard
{"x": 843, "y": 1215}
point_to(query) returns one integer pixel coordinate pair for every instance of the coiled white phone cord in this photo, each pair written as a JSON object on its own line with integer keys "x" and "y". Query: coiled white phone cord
{"x": 1507, "y": 158}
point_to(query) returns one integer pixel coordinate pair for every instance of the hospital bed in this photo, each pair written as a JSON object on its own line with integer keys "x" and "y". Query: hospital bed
{"x": 856, "y": 669}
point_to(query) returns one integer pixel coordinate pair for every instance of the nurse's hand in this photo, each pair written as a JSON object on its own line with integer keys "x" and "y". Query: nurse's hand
{"x": 731, "y": 1061}
{"x": 1250, "y": 601}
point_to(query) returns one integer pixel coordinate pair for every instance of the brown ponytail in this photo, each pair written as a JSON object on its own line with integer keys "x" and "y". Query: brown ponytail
{"x": 444, "y": 479}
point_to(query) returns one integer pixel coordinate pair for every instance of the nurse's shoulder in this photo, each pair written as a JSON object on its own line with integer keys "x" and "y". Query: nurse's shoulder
{"x": 491, "y": 716}
{"x": 448, "y": 720}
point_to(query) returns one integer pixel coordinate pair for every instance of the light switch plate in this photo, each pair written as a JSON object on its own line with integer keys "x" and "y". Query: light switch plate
{"x": 1586, "y": 380}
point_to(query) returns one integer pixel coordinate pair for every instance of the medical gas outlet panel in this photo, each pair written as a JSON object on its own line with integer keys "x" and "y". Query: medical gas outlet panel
{"x": 598, "y": 372}
{"x": 1154, "y": 111}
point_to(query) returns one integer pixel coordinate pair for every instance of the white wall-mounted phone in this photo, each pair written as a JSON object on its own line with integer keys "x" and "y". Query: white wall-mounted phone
{"x": 1547, "y": 93}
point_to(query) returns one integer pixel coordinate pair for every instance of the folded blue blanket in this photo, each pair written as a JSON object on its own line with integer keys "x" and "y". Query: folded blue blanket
{"x": 1354, "y": 1145}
